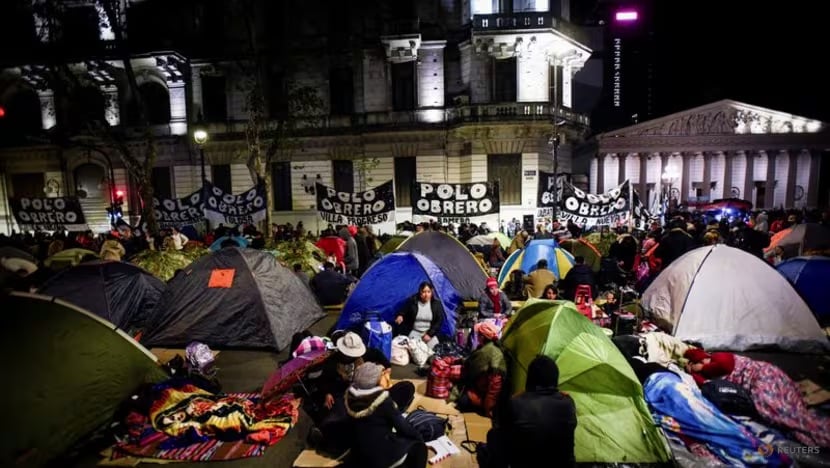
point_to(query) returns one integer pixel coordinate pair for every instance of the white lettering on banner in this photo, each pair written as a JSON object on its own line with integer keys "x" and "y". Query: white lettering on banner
{"x": 360, "y": 220}
{"x": 57, "y": 218}
{"x": 41, "y": 204}
{"x": 448, "y": 191}
{"x": 349, "y": 209}
{"x": 449, "y": 207}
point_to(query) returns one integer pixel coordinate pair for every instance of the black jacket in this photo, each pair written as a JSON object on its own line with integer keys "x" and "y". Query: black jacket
{"x": 579, "y": 274}
{"x": 540, "y": 421}
{"x": 410, "y": 310}
{"x": 330, "y": 287}
{"x": 374, "y": 415}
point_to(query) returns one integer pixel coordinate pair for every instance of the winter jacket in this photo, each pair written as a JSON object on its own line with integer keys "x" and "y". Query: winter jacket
{"x": 374, "y": 416}
{"x": 410, "y": 310}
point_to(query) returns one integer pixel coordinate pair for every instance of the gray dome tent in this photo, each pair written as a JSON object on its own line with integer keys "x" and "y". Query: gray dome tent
{"x": 233, "y": 298}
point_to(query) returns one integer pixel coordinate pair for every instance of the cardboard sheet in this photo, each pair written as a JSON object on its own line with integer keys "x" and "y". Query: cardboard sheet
{"x": 813, "y": 393}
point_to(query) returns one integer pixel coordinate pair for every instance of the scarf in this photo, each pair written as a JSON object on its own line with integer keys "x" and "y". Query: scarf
{"x": 496, "y": 302}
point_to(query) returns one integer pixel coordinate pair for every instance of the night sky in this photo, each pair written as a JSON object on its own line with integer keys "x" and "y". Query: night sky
{"x": 769, "y": 55}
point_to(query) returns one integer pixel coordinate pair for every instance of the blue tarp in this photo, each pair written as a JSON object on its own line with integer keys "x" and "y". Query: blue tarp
{"x": 217, "y": 244}
{"x": 809, "y": 276}
{"x": 680, "y": 408}
{"x": 390, "y": 281}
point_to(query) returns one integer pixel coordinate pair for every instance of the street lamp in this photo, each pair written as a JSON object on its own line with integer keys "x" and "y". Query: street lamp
{"x": 200, "y": 137}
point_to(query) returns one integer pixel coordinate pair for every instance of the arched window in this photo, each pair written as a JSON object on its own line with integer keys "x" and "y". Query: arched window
{"x": 87, "y": 105}
{"x": 157, "y": 102}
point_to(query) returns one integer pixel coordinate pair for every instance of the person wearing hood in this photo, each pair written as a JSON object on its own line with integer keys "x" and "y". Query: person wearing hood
{"x": 540, "y": 420}
{"x": 350, "y": 256}
{"x": 381, "y": 437}
{"x": 493, "y": 301}
{"x": 483, "y": 373}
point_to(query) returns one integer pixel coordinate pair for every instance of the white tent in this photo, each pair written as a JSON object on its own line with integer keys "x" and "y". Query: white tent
{"x": 725, "y": 298}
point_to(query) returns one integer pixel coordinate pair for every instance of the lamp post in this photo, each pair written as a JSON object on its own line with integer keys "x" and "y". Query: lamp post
{"x": 200, "y": 137}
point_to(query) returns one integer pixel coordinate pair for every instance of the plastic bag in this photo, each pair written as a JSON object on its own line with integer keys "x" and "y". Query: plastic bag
{"x": 400, "y": 351}
{"x": 419, "y": 352}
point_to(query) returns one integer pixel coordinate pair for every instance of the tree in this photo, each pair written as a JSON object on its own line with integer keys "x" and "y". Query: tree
{"x": 94, "y": 132}
{"x": 272, "y": 127}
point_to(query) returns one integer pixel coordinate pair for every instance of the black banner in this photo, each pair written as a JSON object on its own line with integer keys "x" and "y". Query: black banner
{"x": 362, "y": 208}
{"x": 246, "y": 208}
{"x": 550, "y": 188}
{"x": 48, "y": 214}
{"x": 587, "y": 210}
{"x": 455, "y": 200}
{"x": 178, "y": 212}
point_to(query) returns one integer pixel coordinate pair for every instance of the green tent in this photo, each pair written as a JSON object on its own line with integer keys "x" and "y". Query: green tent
{"x": 614, "y": 423}
{"x": 392, "y": 244}
{"x": 69, "y": 371}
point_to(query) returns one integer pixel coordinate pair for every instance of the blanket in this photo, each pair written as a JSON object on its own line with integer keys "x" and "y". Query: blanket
{"x": 188, "y": 423}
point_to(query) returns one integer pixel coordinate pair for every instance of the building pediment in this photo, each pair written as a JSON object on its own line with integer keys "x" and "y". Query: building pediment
{"x": 722, "y": 118}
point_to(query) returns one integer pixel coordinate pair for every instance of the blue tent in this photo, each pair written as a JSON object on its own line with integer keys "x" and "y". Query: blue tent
{"x": 559, "y": 260}
{"x": 809, "y": 276}
{"x": 217, "y": 244}
{"x": 390, "y": 281}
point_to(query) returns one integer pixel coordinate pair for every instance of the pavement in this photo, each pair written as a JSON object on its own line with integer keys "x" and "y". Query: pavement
{"x": 246, "y": 371}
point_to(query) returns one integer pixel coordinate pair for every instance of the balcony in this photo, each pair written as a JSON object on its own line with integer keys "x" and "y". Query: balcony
{"x": 502, "y": 22}
{"x": 421, "y": 119}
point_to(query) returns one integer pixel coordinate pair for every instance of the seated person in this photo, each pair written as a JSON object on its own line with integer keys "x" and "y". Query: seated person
{"x": 330, "y": 287}
{"x": 578, "y": 275}
{"x": 381, "y": 437}
{"x": 484, "y": 373}
{"x": 550, "y": 293}
{"x": 422, "y": 316}
{"x": 540, "y": 420}
{"x": 493, "y": 301}
{"x": 337, "y": 373}
{"x": 536, "y": 281}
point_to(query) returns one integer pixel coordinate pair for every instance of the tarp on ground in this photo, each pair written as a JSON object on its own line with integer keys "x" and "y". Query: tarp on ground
{"x": 457, "y": 263}
{"x": 810, "y": 276}
{"x": 560, "y": 261}
{"x": 390, "y": 282}
{"x": 725, "y": 298}
{"x": 233, "y": 298}
{"x": 118, "y": 292}
{"x": 613, "y": 422}
{"x": 70, "y": 371}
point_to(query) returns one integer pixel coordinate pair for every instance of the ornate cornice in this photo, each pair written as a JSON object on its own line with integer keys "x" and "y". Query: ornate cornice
{"x": 668, "y": 143}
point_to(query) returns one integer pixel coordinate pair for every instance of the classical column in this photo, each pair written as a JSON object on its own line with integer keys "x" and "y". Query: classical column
{"x": 685, "y": 182}
{"x": 749, "y": 176}
{"x": 792, "y": 174}
{"x": 769, "y": 193}
{"x": 642, "y": 188}
{"x": 727, "y": 174}
{"x": 622, "y": 158}
{"x": 707, "y": 175}
{"x": 601, "y": 173}
{"x": 812, "y": 185}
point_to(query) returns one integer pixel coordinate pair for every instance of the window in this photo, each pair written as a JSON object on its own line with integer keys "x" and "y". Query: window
{"x": 343, "y": 176}
{"x": 221, "y": 177}
{"x": 162, "y": 183}
{"x": 281, "y": 186}
{"x": 403, "y": 86}
{"x": 341, "y": 91}
{"x": 404, "y": 177}
{"x": 507, "y": 170}
{"x": 157, "y": 105}
{"x": 214, "y": 101}
{"x": 28, "y": 185}
{"x": 504, "y": 83}
{"x": 80, "y": 25}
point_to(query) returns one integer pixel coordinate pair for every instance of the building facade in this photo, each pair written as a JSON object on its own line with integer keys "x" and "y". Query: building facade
{"x": 452, "y": 91}
{"x": 722, "y": 150}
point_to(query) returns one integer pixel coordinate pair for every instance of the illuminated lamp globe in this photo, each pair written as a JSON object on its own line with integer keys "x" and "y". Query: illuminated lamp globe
{"x": 200, "y": 137}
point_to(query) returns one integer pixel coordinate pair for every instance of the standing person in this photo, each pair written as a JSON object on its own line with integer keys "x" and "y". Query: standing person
{"x": 422, "y": 316}
{"x": 350, "y": 257}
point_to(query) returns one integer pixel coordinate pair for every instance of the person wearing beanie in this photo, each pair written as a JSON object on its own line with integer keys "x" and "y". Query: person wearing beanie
{"x": 540, "y": 420}
{"x": 777, "y": 398}
{"x": 493, "y": 301}
{"x": 380, "y": 436}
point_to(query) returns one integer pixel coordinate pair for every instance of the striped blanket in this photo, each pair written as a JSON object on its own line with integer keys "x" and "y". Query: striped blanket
{"x": 148, "y": 442}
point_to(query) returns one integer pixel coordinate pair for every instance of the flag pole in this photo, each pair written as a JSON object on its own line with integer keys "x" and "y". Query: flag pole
{"x": 630, "y": 206}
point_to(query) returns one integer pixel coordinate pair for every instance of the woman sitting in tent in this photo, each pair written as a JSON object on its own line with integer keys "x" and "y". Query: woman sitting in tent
{"x": 422, "y": 316}
{"x": 777, "y": 398}
{"x": 484, "y": 372}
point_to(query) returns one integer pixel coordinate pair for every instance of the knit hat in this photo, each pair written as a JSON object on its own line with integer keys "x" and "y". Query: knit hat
{"x": 351, "y": 345}
{"x": 487, "y": 330}
{"x": 696, "y": 354}
{"x": 492, "y": 282}
{"x": 367, "y": 376}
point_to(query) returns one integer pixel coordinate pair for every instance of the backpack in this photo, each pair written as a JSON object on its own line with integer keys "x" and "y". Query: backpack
{"x": 429, "y": 425}
{"x": 730, "y": 398}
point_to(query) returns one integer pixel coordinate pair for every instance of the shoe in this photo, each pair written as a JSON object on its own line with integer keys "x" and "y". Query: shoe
{"x": 315, "y": 437}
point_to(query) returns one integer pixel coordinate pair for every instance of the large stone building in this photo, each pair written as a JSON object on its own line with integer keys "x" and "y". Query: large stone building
{"x": 435, "y": 91}
{"x": 721, "y": 150}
